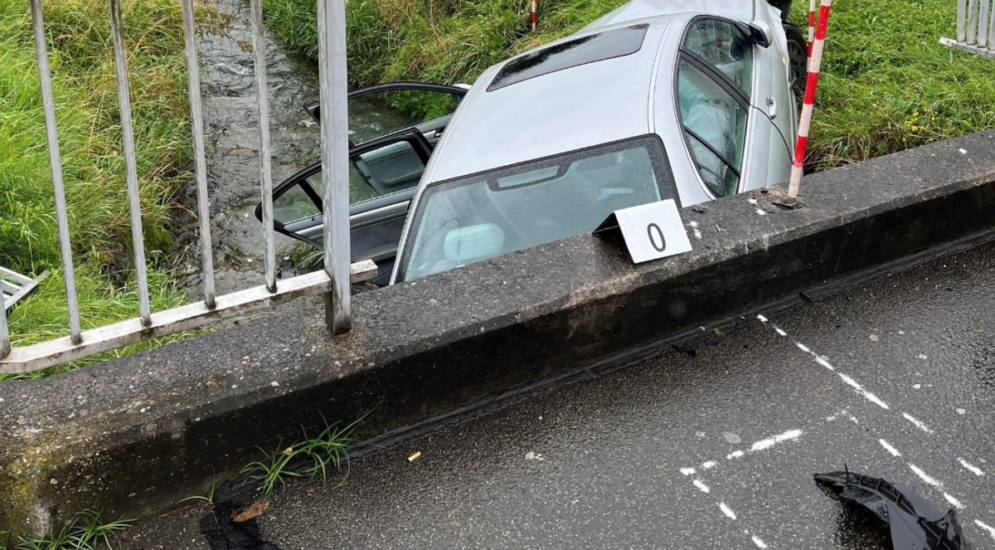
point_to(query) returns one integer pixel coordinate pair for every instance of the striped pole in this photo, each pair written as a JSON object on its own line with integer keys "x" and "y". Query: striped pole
{"x": 811, "y": 26}
{"x": 813, "y": 79}
{"x": 534, "y": 14}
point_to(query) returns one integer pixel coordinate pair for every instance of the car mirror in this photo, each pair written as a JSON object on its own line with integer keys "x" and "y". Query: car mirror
{"x": 755, "y": 34}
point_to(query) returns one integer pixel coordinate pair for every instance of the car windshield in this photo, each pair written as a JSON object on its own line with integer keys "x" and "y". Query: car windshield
{"x": 473, "y": 218}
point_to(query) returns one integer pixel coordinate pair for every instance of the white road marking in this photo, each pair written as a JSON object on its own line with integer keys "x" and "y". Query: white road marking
{"x": 759, "y": 542}
{"x": 956, "y": 503}
{"x": 889, "y": 448}
{"x": 918, "y": 423}
{"x": 727, "y": 511}
{"x": 989, "y": 528}
{"x": 734, "y": 454}
{"x": 762, "y": 318}
{"x": 760, "y": 212}
{"x": 770, "y": 442}
{"x": 924, "y": 476}
{"x": 708, "y": 465}
{"x": 860, "y": 389}
{"x": 780, "y": 332}
{"x": 824, "y": 363}
{"x": 972, "y": 468}
{"x": 701, "y": 486}
{"x": 687, "y": 471}
{"x": 802, "y": 347}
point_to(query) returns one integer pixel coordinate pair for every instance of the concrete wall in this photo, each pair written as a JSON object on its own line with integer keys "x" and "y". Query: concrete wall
{"x": 136, "y": 435}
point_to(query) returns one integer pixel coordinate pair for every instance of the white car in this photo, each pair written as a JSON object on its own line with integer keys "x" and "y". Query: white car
{"x": 661, "y": 99}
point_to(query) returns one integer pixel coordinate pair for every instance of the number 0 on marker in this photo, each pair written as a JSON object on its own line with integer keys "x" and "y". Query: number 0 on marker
{"x": 653, "y": 231}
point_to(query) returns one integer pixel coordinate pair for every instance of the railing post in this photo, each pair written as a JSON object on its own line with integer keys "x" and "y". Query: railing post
{"x": 4, "y": 333}
{"x": 55, "y": 163}
{"x": 200, "y": 162}
{"x": 335, "y": 160}
{"x": 983, "y": 24}
{"x": 131, "y": 166}
{"x": 961, "y": 20}
{"x": 265, "y": 170}
{"x": 991, "y": 28}
{"x": 972, "y": 21}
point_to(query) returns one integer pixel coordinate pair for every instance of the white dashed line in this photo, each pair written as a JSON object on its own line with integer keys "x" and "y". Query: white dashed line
{"x": 972, "y": 468}
{"x": 989, "y": 528}
{"x": 762, "y": 319}
{"x": 889, "y": 448}
{"x": 734, "y": 454}
{"x": 780, "y": 332}
{"x": 701, "y": 486}
{"x": 708, "y": 465}
{"x": 803, "y": 347}
{"x": 956, "y": 503}
{"x": 860, "y": 389}
{"x": 687, "y": 471}
{"x": 824, "y": 363}
{"x": 918, "y": 423}
{"x": 727, "y": 511}
{"x": 924, "y": 476}
{"x": 768, "y": 443}
{"x": 759, "y": 542}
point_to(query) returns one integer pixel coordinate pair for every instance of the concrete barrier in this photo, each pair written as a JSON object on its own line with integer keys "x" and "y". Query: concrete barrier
{"x": 135, "y": 435}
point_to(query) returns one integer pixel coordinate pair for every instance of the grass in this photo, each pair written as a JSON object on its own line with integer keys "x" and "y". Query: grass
{"x": 90, "y": 143}
{"x": 84, "y": 531}
{"x": 306, "y": 458}
{"x": 886, "y": 84}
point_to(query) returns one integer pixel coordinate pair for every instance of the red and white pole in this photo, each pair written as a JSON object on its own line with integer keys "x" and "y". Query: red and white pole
{"x": 811, "y": 26}
{"x": 805, "y": 123}
{"x": 534, "y": 14}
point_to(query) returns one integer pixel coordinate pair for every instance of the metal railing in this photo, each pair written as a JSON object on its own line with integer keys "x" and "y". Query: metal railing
{"x": 333, "y": 281}
{"x": 975, "y": 28}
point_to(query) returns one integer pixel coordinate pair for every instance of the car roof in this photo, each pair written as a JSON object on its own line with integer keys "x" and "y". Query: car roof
{"x": 737, "y": 10}
{"x": 570, "y": 109}
{"x": 550, "y": 114}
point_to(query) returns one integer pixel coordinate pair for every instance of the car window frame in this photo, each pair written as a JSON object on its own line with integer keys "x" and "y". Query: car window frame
{"x": 740, "y": 96}
{"x": 666, "y": 185}
{"x": 418, "y": 142}
{"x": 314, "y": 109}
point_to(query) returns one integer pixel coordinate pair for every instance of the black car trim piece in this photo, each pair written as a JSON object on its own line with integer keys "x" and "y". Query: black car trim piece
{"x": 714, "y": 151}
{"x": 516, "y": 70}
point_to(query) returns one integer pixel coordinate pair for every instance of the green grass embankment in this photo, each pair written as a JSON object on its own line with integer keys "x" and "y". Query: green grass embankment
{"x": 93, "y": 167}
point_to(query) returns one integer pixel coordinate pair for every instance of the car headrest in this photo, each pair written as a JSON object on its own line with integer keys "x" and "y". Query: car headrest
{"x": 476, "y": 242}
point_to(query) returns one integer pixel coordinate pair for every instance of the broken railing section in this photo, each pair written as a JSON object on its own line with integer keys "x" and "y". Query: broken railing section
{"x": 333, "y": 281}
{"x": 975, "y": 28}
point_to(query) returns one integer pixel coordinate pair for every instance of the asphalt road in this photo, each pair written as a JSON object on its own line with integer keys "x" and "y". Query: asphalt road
{"x": 894, "y": 378}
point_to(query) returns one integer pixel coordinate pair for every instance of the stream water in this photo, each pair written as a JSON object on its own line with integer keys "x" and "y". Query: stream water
{"x": 231, "y": 126}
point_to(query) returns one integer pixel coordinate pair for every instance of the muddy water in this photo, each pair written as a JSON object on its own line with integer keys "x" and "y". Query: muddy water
{"x": 231, "y": 126}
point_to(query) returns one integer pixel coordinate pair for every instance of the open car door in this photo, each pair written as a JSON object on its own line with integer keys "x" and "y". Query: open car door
{"x": 392, "y": 129}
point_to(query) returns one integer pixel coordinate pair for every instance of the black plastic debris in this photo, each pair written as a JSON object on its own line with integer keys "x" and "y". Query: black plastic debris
{"x": 915, "y": 524}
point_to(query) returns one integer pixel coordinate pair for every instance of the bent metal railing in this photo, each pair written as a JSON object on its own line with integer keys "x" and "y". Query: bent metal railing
{"x": 332, "y": 282}
{"x": 975, "y": 28}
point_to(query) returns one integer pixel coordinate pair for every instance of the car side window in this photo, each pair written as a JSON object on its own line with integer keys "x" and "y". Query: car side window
{"x": 715, "y": 128}
{"x": 296, "y": 203}
{"x": 724, "y": 47}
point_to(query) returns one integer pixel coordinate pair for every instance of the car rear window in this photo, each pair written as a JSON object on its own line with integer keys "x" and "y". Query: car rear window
{"x": 572, "y": 53}
{"x": 476, "y": 217}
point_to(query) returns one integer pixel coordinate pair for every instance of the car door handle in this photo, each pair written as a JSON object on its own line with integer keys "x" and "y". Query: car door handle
{"x": 771, "y": 108}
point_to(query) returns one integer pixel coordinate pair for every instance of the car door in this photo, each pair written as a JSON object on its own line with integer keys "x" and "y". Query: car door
{"x": 715, "y": 73}
{"x": 393, "y": 129}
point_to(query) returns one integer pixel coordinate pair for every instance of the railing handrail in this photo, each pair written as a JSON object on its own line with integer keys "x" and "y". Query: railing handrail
{"x": 333, "y": 281}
